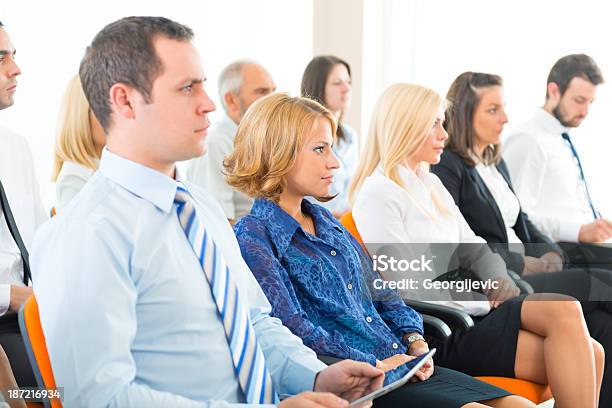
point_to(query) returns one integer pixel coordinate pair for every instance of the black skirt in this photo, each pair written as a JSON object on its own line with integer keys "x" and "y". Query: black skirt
{"x": 444, "y": 389}
{"x": 488, "y": 348}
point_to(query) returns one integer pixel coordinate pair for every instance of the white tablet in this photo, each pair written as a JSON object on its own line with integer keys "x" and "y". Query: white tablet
{"x": 415, "y": 365}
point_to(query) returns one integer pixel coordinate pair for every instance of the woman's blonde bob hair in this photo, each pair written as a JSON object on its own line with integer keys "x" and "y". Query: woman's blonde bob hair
{"x": 268, "y": 141}
{"x": 401, "y": 121}
{"x": 74, "y": 141}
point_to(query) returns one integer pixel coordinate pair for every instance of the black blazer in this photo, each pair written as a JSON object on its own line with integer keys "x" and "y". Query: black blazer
{"x": 481, "y": 212}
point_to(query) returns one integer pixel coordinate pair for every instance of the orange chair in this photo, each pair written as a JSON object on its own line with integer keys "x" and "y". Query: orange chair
{"x": 534, "y": 392}
{"x": 349, "y": 223}
{"x": 36, "y": 347}
{"x": 537, "y": 393}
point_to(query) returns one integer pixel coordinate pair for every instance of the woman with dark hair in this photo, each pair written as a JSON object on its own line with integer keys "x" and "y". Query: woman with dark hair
{"x": 473, "y": 171}
{"x": 327, "y": 80}
{"x": 475, "y": 118}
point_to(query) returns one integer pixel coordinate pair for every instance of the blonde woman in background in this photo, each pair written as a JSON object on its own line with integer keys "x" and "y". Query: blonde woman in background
{"x": 397, "y": 200}
{"x": 78, "y": 146}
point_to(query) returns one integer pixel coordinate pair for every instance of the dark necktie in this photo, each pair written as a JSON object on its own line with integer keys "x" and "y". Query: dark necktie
{"x": 10, "y": 222}
{"x": 567, "y": 138}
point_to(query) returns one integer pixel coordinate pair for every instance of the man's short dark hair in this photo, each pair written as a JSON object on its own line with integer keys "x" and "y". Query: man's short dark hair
{"x": 1, "y": 25}
{"x": 572, "y": 66}
{"x": 123, "y": 52}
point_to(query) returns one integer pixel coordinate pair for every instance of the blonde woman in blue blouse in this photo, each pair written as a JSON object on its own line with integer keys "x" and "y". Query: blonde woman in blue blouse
{"x": 315, "y": 275}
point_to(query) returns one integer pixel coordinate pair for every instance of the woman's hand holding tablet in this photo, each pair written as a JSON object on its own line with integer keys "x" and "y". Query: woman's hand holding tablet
{"x": 416, "y": 365}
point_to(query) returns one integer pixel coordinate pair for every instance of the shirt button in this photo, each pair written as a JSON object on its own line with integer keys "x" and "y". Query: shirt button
{"x": 349, "y": 286}
{"x": 395, "y": 346}
{"x": 369, "y": 319}
{"x": 333, "y": 253}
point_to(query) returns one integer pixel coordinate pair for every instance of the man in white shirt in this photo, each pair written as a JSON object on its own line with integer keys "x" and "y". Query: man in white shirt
{"x": 240, "y": 84}
{"x": 138, "y": 308}
{"x": 26, "y": 214}
{"x": 544, "y": 165}
{"x": 550, "y": 183}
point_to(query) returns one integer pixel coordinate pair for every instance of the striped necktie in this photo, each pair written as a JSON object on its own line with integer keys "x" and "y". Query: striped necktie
{"x": 567, "y": 138}
{"x": 249, "y": 361}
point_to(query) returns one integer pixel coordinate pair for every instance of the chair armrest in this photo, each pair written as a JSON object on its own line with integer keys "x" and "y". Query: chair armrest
{"x": 436, "y": 328}
{"x": 524, "y": 286}
{"x": 454, "y": 318}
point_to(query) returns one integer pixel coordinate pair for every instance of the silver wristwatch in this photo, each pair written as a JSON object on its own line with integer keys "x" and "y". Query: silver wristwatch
{"x": 414, "y": 337}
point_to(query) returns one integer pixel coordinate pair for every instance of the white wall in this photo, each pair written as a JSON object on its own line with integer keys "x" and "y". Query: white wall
{"x": 50, "y": 38}
{"x": 430, "y": 42}
{"x": 424, "y": 41}
{"x": 338, "y": 30}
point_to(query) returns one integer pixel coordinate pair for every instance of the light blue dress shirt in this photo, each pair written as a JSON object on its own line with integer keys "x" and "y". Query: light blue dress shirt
{"x": 126, "y": 309}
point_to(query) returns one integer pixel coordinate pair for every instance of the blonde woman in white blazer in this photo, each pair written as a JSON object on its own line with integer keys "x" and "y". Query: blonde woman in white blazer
{"x": 396, "y": 200}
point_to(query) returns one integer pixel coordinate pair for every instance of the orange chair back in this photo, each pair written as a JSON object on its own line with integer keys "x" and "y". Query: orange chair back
{"x": 36, "y": 347}
{"x": 348, "y": 222}
{"x": 534, "y": 392}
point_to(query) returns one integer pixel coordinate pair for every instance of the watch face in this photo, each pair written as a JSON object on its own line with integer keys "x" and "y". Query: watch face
{"x": 415, "y": 337}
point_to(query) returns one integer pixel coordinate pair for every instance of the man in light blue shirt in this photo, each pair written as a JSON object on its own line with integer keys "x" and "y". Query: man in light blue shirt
{"x": 128, "y": 314}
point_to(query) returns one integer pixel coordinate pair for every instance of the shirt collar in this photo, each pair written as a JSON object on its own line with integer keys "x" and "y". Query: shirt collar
{"x": 228, "y": 123}
{"x": 283, "y": 226}
{"x": 477, "y": 161}
{"x": 140, "y": 180}
{"x": 550, "y": 123}
{"x": 408, "y": 175}
{"x": 348, "y": 133}
{"x": 324, "y": 220}
{"x": 478, "y": 164}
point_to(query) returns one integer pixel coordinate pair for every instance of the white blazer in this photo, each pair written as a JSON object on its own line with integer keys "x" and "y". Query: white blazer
{"x": 384, "y": 213}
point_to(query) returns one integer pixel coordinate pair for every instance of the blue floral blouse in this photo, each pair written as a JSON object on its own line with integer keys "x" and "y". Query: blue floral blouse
{"x": 319, "y": 285}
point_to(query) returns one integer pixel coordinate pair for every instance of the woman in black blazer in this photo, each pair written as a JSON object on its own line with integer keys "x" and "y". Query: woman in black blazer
{"x": 472, "y": 170}
{"x": 480, "y": 209}
{"x": 476, "y": 103}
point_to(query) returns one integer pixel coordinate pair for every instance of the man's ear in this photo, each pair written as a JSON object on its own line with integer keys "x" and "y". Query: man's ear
{"x": 122, "y": 100}
{"x": 231, "y": 101}
{"x": 554, "y": 95}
